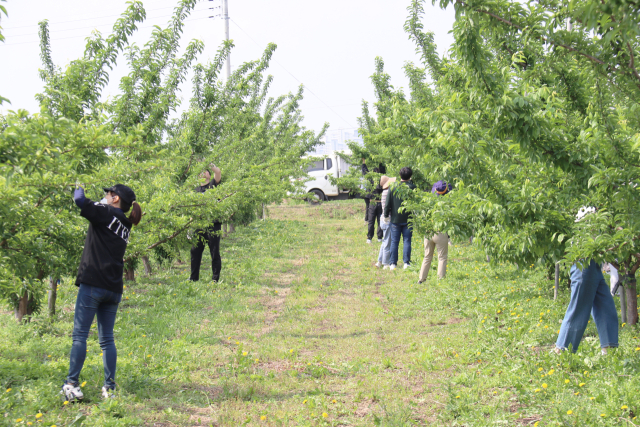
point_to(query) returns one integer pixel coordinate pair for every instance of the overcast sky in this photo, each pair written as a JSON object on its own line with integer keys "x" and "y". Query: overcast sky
{"x": 329, "y": 46}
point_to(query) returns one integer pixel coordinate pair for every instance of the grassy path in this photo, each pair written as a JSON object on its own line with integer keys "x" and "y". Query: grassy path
{"x": 303, "y": 330}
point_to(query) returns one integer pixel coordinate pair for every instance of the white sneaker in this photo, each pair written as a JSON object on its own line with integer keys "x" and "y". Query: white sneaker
{"x": 406, "y": 266}
{"x": 377, "y": 264}
{"x": 107, "y": 393}
{"x": 385, "y": 266}
{"x": 369, "y": 241}
{"x": 71, "y": 393}
{"x": 379, "y": 240}
{"x": 392, "y": 267}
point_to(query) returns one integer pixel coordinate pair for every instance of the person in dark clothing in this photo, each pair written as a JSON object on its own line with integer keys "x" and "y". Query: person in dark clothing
{"x": 209, "y": 235}
{"x": 375, "y": 211}
{"x": 367, "y": 198}
{"x": 399, "y": 221}
{"x": 99, "y": 281}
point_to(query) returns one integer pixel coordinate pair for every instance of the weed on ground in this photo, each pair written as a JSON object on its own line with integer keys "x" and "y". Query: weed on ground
{"x": 304, "y": 330}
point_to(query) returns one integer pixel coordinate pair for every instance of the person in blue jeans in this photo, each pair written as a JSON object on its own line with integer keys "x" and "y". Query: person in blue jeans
{"x": 590, "y": 296}
{"x": 100, "y": 281}
{"x": 399, "y": 221}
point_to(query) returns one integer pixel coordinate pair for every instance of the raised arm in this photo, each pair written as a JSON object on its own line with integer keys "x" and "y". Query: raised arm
{"x": 217, "y": 175}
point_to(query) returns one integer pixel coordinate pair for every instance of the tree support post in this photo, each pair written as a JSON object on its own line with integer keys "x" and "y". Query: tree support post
{"x": 556, "y": 285}
{"x": 53, "y": 295}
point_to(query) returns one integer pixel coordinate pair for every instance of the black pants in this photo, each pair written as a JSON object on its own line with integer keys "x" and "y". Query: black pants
{"x": 375, "y": 210}
{"x": 210, "y": 237}
{"x": 366, "y": 209}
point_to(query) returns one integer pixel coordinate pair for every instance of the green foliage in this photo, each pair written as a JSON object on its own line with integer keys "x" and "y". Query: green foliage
{"x": 529, "y": 121}
{"x": 79, "y": 138}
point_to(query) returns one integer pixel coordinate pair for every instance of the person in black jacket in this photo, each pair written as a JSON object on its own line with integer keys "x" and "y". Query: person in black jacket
{"x": 99, "y": 281}
{"x": 375, "y": 210}
{"x": 399, "y": 221}
{"x": 210, "y": 235}
{"x": 367, "y": 198}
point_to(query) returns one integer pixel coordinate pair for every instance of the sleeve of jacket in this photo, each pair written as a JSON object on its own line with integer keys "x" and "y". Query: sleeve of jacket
{"x": 387, "y": 204}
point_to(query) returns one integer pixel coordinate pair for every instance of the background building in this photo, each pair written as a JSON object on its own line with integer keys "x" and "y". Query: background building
{"x": 337, "y": 140}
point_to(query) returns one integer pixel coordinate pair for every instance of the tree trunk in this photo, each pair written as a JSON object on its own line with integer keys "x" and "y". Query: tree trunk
{"x": 24, "y": 308}
{"x": 53, "y": 295}
{"x": 630, "y": 290}
{"x": 129, "y": 271}
{"x": 147, "y": 265}
{"x": 264, "y": 212}
{"x": 26, "y": 303}
{"x": 224, "y": 231}
{"x": 232, "y": 228}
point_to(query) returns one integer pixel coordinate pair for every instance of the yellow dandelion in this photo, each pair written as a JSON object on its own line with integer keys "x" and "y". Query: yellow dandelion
{"x": 580, "y": 385}
{"x": 244, "y": 353}
{"x": 544, "y": 385}
{"x": 536, "y": 390}
{"x": 148, "y": 355}
{"x": 567, "y": 381}
{"x": 458, "y": 397}
{"x": 569, "y": 412}
{"x": 325, "y": 415}
{"x": 263, "y": 417}
{"x": 603, "y": 415}
{"x": 304, "y": 402}
{"x": 39, "y": 415}
{"x": 8, "y": 390}
{"x": 539, "y": 369}
{"x": 66, "y": 402}
{"x": 19, "y": 420}
{"x": 624, "y": 407}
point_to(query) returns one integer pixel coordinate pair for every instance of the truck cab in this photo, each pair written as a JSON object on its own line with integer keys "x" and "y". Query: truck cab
{"x": 320, "y": 185}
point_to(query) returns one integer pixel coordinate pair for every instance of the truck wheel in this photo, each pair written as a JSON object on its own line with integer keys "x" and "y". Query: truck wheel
{"x": 318, "y": 197}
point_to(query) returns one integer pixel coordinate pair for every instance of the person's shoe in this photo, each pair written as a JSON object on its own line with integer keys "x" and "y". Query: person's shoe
{"x": 107, "y": 393}
{"x": 377, "y": 264}
{"x": 406, "y": 266}
{"x": 420, "y": 282}
{"x": 557, "y": 350}
{"x": 385, "y": 266}
{"x": 71, "y": 393}
{"x": 392, "y": 267}
{"x": 369, "y": 241}
{"x": 379, "y": 240}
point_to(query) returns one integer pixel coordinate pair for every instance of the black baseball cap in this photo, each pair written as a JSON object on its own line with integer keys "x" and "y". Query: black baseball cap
{"x": 126, "y": 194}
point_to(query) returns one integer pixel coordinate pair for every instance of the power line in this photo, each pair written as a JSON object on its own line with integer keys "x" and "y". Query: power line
{"x": 85, "y": 19}
{"x": 89, "y": 27}
{"x": 84, "y": 36}
{"x": 305, "y": 86}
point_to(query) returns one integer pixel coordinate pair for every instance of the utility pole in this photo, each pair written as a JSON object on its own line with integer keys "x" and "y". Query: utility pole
{"x": 225, "y": 16}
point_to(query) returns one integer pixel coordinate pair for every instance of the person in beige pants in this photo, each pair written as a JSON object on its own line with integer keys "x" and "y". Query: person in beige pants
{"x": 439, "y": 241}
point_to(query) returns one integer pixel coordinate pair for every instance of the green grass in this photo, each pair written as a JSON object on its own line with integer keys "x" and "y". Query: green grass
{"x": 303, "y": 330}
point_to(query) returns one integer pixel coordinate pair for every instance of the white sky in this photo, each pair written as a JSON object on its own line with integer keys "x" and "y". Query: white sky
{"x": 329, "y": 45}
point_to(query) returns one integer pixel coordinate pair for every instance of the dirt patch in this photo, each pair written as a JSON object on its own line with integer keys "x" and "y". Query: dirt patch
{"x": 273, "y": 301}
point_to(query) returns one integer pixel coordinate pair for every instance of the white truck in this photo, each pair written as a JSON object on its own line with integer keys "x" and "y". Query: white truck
{"x": 320, "y": 185}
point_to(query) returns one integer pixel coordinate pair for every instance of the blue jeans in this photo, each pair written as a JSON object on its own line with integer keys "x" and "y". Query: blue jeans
{"x": 384, "y": 254}
{"x": 94, "y": 301}
{"x": 407, "y": 232}
{"x": 589, "y": 295}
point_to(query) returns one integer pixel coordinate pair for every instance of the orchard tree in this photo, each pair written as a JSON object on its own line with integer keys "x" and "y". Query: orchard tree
{"x": 533, "y": 115}
{"x": 80, "y": 138}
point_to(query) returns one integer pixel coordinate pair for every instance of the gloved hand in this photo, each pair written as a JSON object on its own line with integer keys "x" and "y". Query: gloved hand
{"x": 78, "y": 196}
